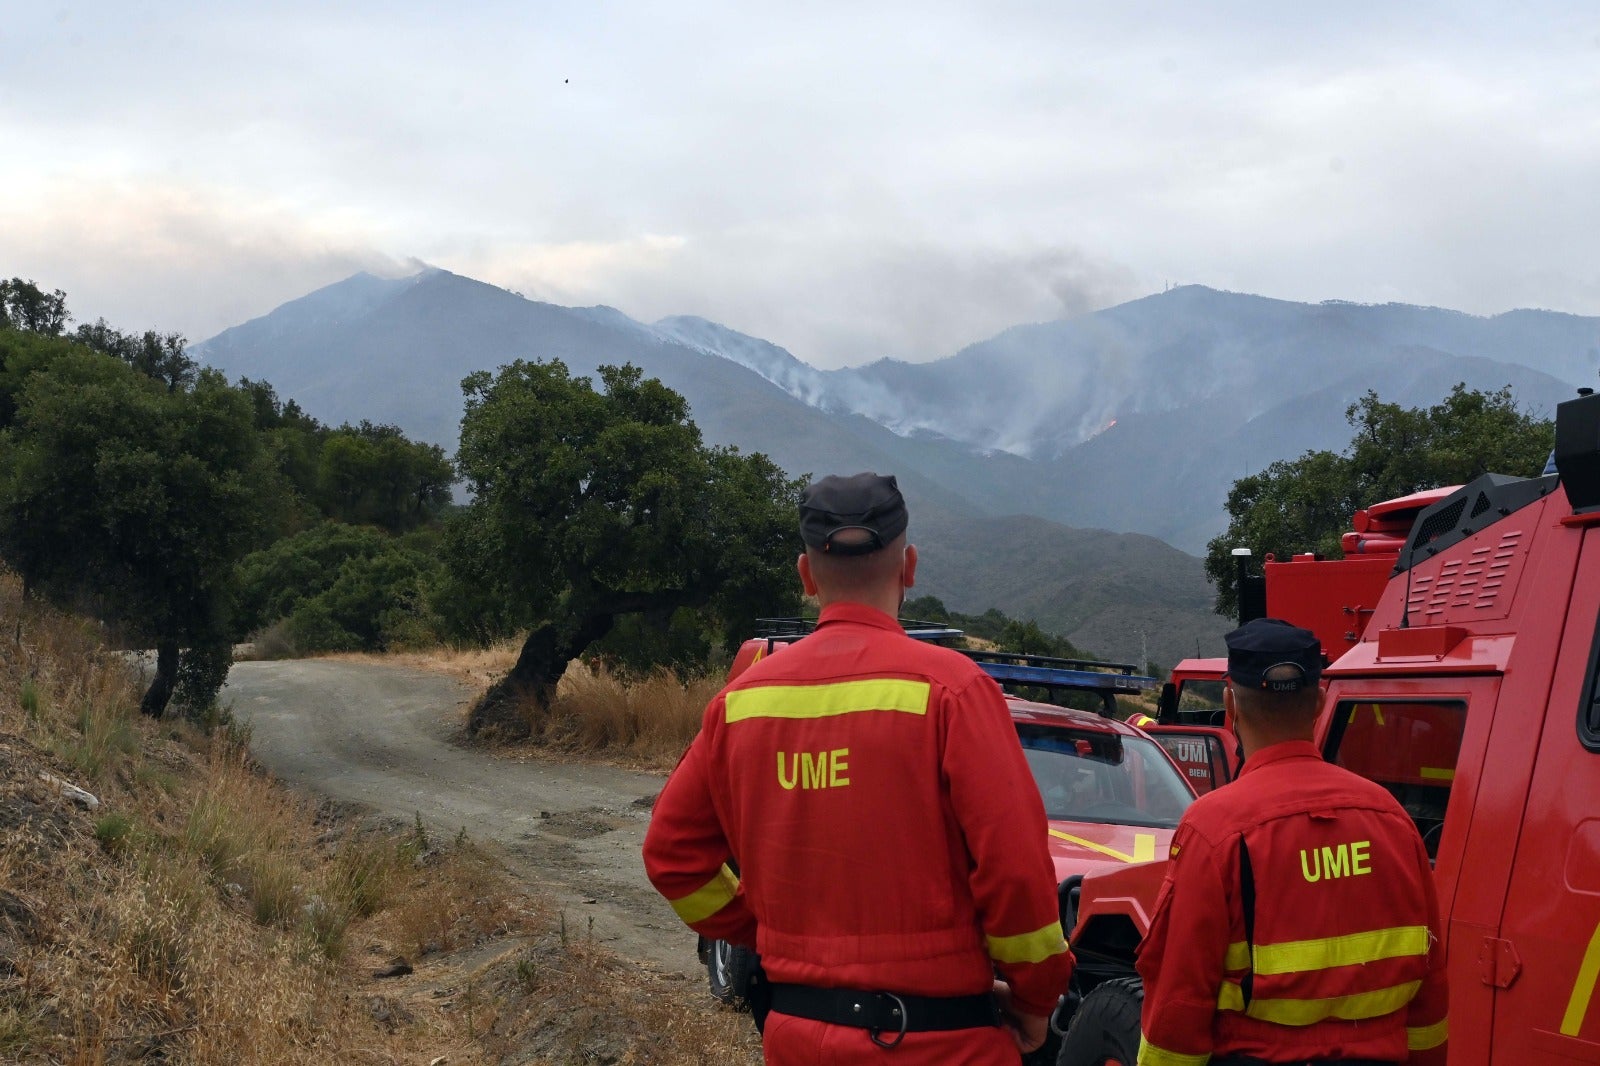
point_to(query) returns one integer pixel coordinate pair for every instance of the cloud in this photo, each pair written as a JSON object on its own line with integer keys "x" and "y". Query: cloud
{"x": 849, "y": 181}
{"x": 832, "y": 300}
{"x": 171, "y": 257}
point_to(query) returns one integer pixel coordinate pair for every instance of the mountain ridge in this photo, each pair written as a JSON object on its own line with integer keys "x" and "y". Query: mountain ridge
{"x": 1134, "y": 420}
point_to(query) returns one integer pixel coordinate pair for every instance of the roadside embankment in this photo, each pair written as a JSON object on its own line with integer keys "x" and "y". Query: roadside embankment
{"x": 161, "y": 899}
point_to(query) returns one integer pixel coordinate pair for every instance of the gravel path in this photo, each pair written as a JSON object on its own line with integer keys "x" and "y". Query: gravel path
{"x": 381, "y": 737}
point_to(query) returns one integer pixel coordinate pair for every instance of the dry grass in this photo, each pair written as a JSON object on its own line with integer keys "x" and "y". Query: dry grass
{"x": 204, "y": 915}
{"x": 561, "y": 999}
{"x": 477, "y": 667}
{"x": 645, "y": 722}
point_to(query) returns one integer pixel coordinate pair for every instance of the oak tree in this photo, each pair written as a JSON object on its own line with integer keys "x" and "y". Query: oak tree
{"x": 134, "y": 501}
{"x": 589, "y": 504}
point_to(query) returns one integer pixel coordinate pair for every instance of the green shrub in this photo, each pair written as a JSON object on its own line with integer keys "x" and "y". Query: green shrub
{"x": 114, "y": 831}
{"x": 274, "y": 886}
{"x": 30, "y": 699}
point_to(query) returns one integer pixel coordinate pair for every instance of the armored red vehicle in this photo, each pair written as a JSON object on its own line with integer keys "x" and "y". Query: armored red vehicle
{"x": 1473, "y": 694}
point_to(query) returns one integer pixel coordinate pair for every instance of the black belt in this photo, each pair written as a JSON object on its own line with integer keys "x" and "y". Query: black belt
{"x": 886, "y": 1012}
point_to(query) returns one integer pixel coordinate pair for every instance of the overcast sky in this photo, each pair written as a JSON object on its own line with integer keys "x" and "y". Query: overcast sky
{"x": 847, "y": 180}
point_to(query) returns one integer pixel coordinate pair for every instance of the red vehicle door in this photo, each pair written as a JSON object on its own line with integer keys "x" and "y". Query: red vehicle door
{"x": 1546, "y": 948}
{"x": 1400, "y": 731}
{"x": 1204, "y": 753}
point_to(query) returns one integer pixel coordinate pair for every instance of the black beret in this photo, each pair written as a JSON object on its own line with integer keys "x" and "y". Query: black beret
{"x": 1258, "y": 646}
{"x": 862, "y": 502}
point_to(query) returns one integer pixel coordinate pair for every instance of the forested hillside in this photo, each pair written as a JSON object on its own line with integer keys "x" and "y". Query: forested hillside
{"x": 189, "y": 514}
{"x": 186, "y": 512}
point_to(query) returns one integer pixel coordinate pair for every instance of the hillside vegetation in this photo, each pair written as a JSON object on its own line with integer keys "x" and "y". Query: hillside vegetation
{"x": 198, "y": 913}
{"x": 1135, "y": 418}
{"x": 189, "y": 514}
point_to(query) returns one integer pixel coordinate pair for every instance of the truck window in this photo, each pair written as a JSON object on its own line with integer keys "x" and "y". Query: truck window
{"x": 1409, "y": 747}
{"x": 1589, "y": 711}
{"x": 1198, "y": 695}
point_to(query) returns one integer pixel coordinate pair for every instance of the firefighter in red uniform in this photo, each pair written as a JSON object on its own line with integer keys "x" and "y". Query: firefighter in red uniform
{"x": 1297, "y": 922}
{"x": 890, "y": 843}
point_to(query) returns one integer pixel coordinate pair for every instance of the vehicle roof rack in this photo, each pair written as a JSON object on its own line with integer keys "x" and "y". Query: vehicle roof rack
{"x": 796, "y": 628}
{"x": 1006, "y": 667}
{"x": 1046, "y": 671}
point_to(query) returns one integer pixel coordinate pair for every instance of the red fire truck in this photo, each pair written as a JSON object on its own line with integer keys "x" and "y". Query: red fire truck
{"x": 1334, "y": 598}
{"x": 1472, "y": 693}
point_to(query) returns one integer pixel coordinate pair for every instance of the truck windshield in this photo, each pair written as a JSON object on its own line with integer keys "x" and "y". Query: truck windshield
{"x": 1106, "y": 778}
{"x": 1409, "y": 747}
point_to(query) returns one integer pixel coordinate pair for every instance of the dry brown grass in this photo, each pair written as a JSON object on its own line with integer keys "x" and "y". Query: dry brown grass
{"x": 644, "y": 722}
{"x": 204, "y": 915}
{"x": 477, "y": 667}
{"x": 640, "y": 722}
{"x": 561, "y": 999}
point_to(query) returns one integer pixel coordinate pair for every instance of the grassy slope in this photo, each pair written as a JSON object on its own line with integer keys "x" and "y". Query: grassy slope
{"x": 202, "y": 914}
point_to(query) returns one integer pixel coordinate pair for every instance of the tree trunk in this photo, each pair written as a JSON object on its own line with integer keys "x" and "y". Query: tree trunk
{"x": 504, "y": 711}
{"x": 159, "y": 694}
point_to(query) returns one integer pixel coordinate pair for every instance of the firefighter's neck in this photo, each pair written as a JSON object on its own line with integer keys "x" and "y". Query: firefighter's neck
{"x": 885, "y": 589}
{"x": 1259, "y": 728}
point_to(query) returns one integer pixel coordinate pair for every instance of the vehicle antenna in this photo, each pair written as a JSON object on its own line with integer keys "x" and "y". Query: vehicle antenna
{"x": 1405, "y": 609}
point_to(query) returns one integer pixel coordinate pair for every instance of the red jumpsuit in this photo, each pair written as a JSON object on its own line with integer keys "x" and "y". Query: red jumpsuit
{"x": 888, "y": 834}
{"x": 1347, "y": 959}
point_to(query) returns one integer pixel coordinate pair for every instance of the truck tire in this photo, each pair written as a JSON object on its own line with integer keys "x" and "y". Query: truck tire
{"x": 1105, "y": 1030}
{"x": 728, "y": 969}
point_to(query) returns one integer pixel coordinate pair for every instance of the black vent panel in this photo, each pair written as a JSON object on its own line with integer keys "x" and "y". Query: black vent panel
{"x": 1438, "y": 523}
{"x": 1469, "y": 511}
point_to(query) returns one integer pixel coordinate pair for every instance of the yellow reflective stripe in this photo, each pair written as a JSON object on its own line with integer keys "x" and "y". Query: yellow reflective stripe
{"x": 1310, "y": 1011}
{"x": 1150, "y": 1055}
{"x": 1238, "y": 957}
{"x": 1298, "y": 956}
{"x": 1144, "y": 846}
{"x": 1426, "y": 1037}
{"x": 828, "y": 701}
{"x": 1438, "y": 773}
{"x": 1036, "y": 946}
{"x": 709, "y": 898}
{"x": 1231, "y": 996}
{"x": 1582, "y": 987}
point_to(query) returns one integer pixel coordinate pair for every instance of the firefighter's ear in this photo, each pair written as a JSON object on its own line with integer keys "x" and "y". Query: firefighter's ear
{"x": 908, "y": 568}
{"x": 808, "y": 581}
{"x": 1230, "y": 708}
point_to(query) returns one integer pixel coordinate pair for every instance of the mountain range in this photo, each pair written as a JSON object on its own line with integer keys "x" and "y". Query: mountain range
{"x": 1113, "y": 431}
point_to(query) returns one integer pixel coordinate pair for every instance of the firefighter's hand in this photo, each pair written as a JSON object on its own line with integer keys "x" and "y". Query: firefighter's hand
{"x": 1028, "y": 1030}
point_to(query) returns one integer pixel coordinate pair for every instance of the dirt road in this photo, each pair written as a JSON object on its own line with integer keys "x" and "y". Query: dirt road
{"x": 381, "y": 737}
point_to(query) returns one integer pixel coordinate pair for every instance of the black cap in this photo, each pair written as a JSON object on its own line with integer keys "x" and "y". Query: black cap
{"x": 1256, "y": 647}
{"x": 864, "y": 502}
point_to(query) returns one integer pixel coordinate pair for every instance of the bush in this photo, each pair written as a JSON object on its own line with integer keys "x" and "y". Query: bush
{"x": 343, "y": 588}
{"x": 274, "y": 642}
{"x": 113, "y": 831}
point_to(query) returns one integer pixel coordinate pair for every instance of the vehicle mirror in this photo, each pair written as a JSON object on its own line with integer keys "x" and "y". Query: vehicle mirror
{"x": 1167, "y": 704}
